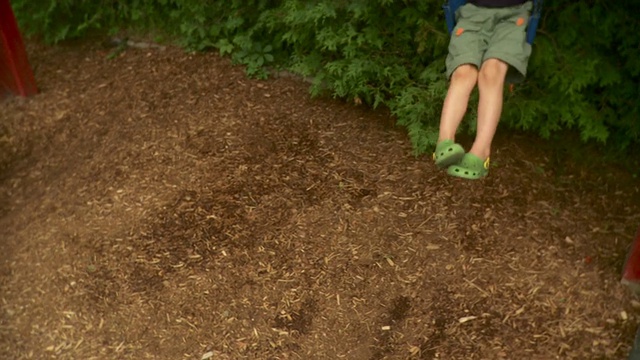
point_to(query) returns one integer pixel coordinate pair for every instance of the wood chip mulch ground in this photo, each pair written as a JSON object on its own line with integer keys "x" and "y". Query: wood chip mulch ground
{"x": 160, "y": 205}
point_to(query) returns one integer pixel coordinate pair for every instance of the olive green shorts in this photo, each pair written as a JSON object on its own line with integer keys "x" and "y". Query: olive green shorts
{"x": 483, "y": 33}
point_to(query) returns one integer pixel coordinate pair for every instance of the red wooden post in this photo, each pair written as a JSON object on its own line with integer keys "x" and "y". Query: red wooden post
{"x": 15, "y": 73}
{"x": 631, "y": 271}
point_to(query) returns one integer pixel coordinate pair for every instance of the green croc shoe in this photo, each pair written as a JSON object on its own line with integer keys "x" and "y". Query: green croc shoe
{"x": 447, "y": 153}
{"x": 470, "y": 167}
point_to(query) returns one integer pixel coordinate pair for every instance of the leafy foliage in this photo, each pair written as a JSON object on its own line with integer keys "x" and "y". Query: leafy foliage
{"x": 583, "y": 75}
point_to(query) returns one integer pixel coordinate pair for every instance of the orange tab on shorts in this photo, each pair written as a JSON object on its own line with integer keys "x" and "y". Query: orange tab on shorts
{"x": 520, "y": 21}
{"x": 459, "y": 31}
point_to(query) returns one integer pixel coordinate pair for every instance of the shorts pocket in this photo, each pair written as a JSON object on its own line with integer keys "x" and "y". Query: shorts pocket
{"x": 467, "y": 39}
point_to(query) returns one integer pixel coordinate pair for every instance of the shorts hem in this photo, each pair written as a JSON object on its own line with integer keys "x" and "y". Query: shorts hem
{"x": 459, "y": 61}
{"x": 511, "y": 60}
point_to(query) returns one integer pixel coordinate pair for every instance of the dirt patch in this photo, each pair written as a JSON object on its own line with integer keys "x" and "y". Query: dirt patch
{"x": 160, "y": 205}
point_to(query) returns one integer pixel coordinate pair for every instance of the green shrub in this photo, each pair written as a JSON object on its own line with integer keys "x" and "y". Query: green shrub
{"x": 583, "y": 73}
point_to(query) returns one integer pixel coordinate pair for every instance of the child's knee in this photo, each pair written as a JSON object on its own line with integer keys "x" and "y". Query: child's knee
{"x": 493, "y": 70}
{"x": 466, "y": 73}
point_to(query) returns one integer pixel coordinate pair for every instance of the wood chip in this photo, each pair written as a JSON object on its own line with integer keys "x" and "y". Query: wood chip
{"x": 465, "y": 319}
{"x": 391, "y": 263}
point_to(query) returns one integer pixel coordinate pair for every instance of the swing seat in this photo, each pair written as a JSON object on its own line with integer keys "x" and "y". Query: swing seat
{"x": 451, "y": 6}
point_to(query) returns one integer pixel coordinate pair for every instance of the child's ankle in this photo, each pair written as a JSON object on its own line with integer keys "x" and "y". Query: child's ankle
{"x": 482, "y": 154}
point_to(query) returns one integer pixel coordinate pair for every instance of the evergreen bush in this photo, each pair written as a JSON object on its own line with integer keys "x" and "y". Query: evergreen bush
{"x": 583, "y": 76}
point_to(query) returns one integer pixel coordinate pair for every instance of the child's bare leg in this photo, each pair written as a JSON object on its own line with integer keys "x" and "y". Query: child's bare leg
{"x": 490, "y": 86}
{"x": 463, "y": 80}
